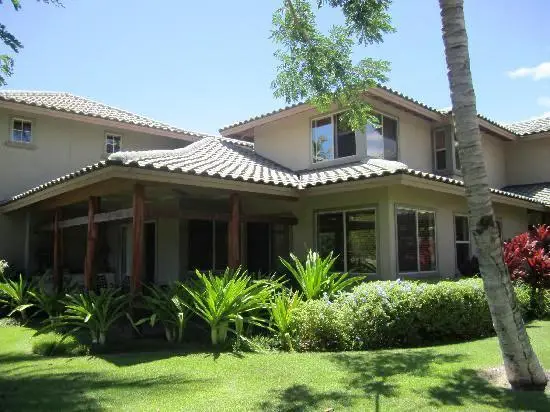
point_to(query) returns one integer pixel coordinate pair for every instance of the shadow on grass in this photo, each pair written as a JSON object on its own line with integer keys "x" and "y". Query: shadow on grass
{"x": 467, "y": 386}
{"x": 45, "y": 390}
{"x": 300, "y": 397}
{"x": 369, "y": 374}
{"x": 373, "y": 374}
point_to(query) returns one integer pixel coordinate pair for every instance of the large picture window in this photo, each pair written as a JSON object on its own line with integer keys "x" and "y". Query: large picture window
{"x": 352, "y": 236}
{"x": 416, "y": 240}
{"x": 462, "y": 244}
{"x": 382, "y": 138}
{"x": 331, "y": 139}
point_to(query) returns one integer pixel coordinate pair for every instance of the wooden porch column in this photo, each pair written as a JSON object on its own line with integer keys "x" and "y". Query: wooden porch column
{"x": 234, "y": 231}
{"x": 137, "y": 243}
{"x": 93, "y": 205}
{"x": 57, "y": 250}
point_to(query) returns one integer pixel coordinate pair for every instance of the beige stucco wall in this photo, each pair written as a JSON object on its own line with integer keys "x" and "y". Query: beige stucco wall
{"x": 288, "y": 140}
{"x": 60, "y": 146}
{"x": 494, "y": 150}
{"x": 528, "y": 161}
{"x": 514, "y": 221}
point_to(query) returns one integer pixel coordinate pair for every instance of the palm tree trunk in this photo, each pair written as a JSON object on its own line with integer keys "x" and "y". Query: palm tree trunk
{"x": 520, "y": 361}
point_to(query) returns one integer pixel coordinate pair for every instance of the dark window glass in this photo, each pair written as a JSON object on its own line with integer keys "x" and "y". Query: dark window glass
{"x": 345, "y": 139}
{"x": 390, "y": 138}
{"x": 361, "y": 239}
{"x": 462, "y": 232}
{"x": 201, "y": 242}
{"x": 426, "y": 241}
{"x": 330, "y": 237}
{"x": 221, "y": 245}
{"x": 441, "y": 159}
{"x": 407, "y": 240}
{"x": 463, "y": 258}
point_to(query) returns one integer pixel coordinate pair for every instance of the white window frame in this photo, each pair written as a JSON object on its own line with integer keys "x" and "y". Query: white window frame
{"x": 343, "y": 212}
{"x": 462, "y": 242}
{"x": 436, "y": 251}
{"x": 110, "y": 135}
{"x": 12, "y": 129}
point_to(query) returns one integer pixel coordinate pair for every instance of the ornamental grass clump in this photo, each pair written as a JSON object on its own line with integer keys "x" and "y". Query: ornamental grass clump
{"x": 316, "y": 277}
{"x": 226, "y": 302}
{"x": 282, "y": 308}
{"x": 95, "y": 312}
{"x": 16, "y": 296}
{"x": 168, "y": 307}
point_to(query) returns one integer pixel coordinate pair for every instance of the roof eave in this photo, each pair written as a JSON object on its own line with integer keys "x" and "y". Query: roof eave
{"x": 62, "y": 114}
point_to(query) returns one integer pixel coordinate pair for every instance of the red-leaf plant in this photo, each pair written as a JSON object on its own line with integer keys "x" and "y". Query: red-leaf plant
{"x": 528, "y": 258}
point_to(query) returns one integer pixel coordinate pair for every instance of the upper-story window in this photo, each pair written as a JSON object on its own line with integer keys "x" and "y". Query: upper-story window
{"x": 21, "y": 131}
{"x": 382, "y": 138}
{"x": 331, "y": 139}
{"x": 112, "y": 143}
{"x": 445, "y": 148}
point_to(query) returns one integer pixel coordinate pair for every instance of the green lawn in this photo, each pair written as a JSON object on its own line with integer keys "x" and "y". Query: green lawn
{"x": 433, "y": 378}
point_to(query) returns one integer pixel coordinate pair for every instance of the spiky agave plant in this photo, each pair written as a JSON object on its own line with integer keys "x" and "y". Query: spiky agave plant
{"x": 227, "y": 302}
{"x": 281, "y": 308}
{"x": 168, "y": 307}
{"x": 316, "y": 278}
{"x": 15, "y": 294}
{"x": 94, "y": 312}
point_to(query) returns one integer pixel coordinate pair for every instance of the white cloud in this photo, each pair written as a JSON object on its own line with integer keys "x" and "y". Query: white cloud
{"x": 541, "y": 71}
{"x": 543, "y": 101}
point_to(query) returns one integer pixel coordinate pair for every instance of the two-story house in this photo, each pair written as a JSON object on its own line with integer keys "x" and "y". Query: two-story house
{"x": 387, "y": 200}
{"x": 45, "y": 135}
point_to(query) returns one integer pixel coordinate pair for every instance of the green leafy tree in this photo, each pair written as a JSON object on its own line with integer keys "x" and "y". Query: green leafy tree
{"x": 318, "y": 68}
{"x": 9, "y": 39}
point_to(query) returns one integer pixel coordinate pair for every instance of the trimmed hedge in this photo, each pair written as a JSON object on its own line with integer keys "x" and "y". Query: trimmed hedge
{"x": 398, "y": 314}
{"x": 54, "y": 344}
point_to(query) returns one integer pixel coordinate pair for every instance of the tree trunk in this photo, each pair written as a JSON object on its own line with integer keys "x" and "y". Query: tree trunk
{"x": 520, "y": 361}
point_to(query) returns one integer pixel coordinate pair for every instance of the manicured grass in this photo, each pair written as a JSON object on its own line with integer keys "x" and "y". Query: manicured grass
{"x": 442, "y": 377}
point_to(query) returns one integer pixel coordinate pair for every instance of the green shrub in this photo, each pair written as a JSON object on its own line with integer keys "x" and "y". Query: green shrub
{"x": 397, "y": 314}
{"x": 54, "y": 344}
{"x": 316, "y": 277}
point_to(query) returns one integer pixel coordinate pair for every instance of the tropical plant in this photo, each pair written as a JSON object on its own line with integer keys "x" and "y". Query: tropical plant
{"x": 281, "y": 309}
{"x": 15, "y": 294}
{"x": 232, "y": 298}
{"x": 49, "y": 303}
{"x": 91, "y": 311}
{"x": 168, "y": 307}
{"x": 316, "y": 278}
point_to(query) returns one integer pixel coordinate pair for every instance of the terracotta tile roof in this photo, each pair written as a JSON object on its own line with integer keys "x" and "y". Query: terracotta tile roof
{"x": 215, "y": 157}
{"x": 522, "y": 128}
{"x": 538, "y": 191}
{"x": 233, "y": 159}
{"x": 380, "y": 86}
{"x": 527, "y": 127}
{"x": 70, "y": 103}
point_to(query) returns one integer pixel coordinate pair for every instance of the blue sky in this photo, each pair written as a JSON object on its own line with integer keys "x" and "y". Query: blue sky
{"x": 202, "y": 65}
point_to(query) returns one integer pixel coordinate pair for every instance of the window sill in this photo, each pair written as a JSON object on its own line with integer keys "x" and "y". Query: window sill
{"x": 19, "y": 145}
{"x": 335, "y": 162}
